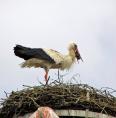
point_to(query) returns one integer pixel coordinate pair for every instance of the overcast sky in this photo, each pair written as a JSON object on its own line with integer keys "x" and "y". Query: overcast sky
{"x": 53, "y": 24}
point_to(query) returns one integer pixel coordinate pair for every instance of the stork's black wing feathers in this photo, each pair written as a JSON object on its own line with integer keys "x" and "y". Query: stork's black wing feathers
{"x": 28, "y": 53}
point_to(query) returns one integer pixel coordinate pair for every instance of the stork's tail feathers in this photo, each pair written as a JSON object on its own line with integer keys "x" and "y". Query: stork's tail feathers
{"x": 20, "y": 51}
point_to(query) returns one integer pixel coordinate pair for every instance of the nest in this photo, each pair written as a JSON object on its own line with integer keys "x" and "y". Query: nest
{"x": 59, "y": 96}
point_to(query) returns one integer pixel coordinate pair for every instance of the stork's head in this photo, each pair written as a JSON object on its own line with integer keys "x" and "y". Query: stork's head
{"x": 73, "y": 46}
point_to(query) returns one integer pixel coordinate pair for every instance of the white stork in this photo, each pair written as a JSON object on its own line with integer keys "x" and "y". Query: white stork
{"x": 47, "y": 58}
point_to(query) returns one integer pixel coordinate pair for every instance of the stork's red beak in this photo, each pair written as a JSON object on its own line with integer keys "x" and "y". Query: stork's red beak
{"x": 78, "y": 56}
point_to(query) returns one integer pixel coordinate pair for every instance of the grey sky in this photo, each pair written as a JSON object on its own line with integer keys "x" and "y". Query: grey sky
{"x": 53, "y": 24}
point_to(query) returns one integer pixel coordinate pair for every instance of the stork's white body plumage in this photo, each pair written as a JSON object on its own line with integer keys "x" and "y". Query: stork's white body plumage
{"x": 61, "y": 61}
{"x": 47, "y": 58}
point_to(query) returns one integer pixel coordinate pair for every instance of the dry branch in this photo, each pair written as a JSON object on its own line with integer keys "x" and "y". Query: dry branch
{"x": 58, "y": 96}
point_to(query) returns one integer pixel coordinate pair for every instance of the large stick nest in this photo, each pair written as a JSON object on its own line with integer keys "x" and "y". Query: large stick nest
{"x": 59, "y": 96}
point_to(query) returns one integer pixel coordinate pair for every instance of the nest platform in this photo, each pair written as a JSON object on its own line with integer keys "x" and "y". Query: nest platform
{"x": 58, "y": 96}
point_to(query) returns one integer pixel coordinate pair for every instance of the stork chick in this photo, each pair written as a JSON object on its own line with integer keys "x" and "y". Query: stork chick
{"x": 47, "y": 58}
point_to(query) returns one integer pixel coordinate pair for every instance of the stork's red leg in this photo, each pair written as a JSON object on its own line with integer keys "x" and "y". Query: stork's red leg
{"x": 46, "y": 75}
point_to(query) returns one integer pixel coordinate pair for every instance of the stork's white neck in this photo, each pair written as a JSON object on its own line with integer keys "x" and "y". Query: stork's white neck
{"x": 71, "y": 53}
{"x": 69, "y": 59}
